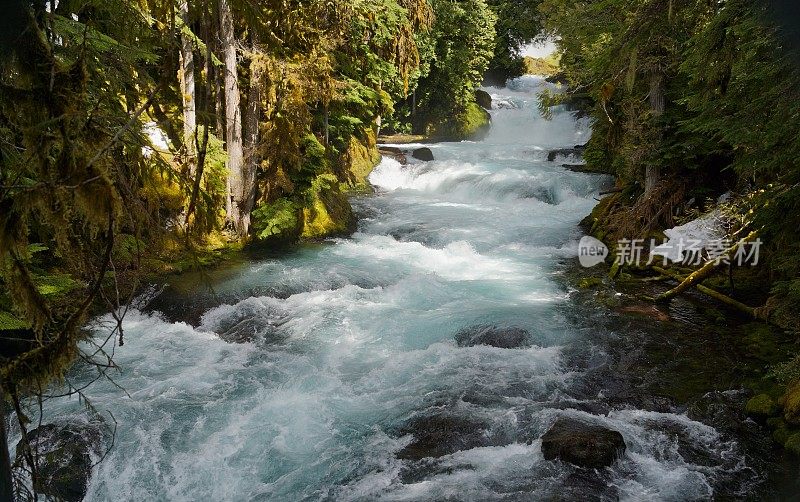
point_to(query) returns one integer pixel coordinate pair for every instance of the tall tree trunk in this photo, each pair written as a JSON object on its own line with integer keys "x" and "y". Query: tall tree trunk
{"x": 652, "y": 173}
{"x": 251, "y": 120}
{"x": 233, "y": 122}
{"x": 188, "y": 90}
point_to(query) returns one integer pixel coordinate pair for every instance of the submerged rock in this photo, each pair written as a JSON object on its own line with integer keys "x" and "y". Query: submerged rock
{"x": 495, "y": 336}
{"x": 425, "y": 154}
{"x": 484, "y": 99}
{"x": 577, "y": 151}
{"x": 444, "y": 433}
{"x": 507, "y": 104}
{"x": 582, "y": 444}
{"x": 645, "y": 310}
{"x": 439, "y": 435}
{"x": 588, "y": 485}
{"x": 393, "y": 152}
{"x": 64, "y": 461}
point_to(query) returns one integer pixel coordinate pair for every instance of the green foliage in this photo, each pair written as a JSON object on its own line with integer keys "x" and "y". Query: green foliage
{"x": 787, "y": 372}
{"x": 314, "y": 162}
{"x": 460, "y": 47}
{"x": 729, "y": 88}
{"x": 518, "y": 23}
{"x": 276, "y": 219}
{"x": 55, "y": 284}
{"x": 11, "y": 322}
{"x": 74, "y": 173}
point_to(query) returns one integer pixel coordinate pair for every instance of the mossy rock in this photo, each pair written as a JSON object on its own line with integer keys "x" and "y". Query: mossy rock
{"x": 328, "y": 212}
{"x": 474, "y": 123}
{"x": 792, "y": 444}
{"x": 64, "y": 462}
{"x": 762, "y": 343}
{"x": 780, "y": 431}
{"x": 484, "y": 99}
{"x": 791, "y": 404}
{"x": 359, "y": 160}
{"x": 595, "y": 222}
{"x": 761, "y": 406}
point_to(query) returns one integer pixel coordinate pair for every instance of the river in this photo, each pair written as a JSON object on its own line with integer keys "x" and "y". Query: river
{"x": 348, "y": 349}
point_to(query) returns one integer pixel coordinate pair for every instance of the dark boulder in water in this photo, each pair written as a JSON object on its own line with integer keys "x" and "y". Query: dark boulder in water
{"x": 424, "y": 154}
{"x": 495, "y": 336}
{"x": 439, "y": 435}
{"x": 577, "y": 151}
{"x": 393, "y": 152}
{"x": 484, "y": 99}
{"x": 445, "y": 432}
{"x": 64, "y": 461}
{"x": 582, "y": 444}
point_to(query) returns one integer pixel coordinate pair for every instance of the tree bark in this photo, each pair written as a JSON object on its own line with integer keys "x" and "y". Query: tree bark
{"x": 251, "y": 120}
{"x": 233, "y": 122}
{"x": 188, "y": 89}
{"x": 652, "y": 173}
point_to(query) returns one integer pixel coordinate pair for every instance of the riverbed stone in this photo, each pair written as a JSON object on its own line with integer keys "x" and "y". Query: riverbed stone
{"x": 582, "y": 444}
{"x": 442, "y": 434}
{"x": 576, "y": 151}
{"x": 504, "y": 337}
{"x": 64, "y": 461}
{"x": 424, "y": 154}
{"x": 394, "y": 152}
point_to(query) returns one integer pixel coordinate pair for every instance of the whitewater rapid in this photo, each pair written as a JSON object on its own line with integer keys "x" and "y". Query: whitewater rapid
{"x": 352, "y": 339}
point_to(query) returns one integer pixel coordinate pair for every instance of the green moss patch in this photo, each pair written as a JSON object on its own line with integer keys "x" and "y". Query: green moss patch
{"x": 761, "y": 405}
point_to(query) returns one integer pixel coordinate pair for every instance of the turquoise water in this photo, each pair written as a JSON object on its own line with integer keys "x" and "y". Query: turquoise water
{"x": 352, "y": 340}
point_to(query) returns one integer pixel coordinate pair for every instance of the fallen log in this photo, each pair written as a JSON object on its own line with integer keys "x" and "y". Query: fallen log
{"x": 727, "y": 300}
{"x": 704, "y": 271}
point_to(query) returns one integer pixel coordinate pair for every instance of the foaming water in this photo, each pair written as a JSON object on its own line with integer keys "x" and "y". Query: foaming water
{"x": 346, "y": 344}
